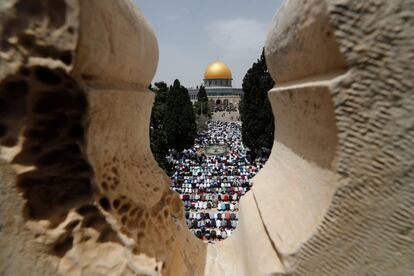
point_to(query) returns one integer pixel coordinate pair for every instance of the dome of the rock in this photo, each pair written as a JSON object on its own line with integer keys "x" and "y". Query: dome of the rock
{"x": 217, "y": 70}
{"x": 217, "y": 82}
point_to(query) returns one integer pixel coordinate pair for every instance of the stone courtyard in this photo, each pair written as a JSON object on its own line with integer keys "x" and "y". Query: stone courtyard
{"x": 226, "y": 116}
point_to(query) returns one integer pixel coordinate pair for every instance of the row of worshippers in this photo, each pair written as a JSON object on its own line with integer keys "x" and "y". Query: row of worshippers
{"x": 217, "y": 215}
{"x": 215, "y": 195}
{"x": 227, "y": 220}
{"x": 213, "y": 182}
{"x": 212, "y": 235}
{"x": 206, "y": 205}
{"x": 210, "y": 226}
{"x": 213, "y": 186}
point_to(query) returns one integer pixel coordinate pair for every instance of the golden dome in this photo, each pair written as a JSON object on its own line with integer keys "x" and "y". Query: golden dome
{"x": 217, "y": 70}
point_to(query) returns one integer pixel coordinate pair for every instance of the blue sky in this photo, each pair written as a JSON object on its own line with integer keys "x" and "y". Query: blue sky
{"x": 193, "y": 33}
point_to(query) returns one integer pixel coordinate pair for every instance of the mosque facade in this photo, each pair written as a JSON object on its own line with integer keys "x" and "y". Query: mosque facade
{"x": 218, "y": 84}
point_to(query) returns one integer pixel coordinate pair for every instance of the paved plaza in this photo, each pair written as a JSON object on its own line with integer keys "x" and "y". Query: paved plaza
{"x": 226, "y": 116}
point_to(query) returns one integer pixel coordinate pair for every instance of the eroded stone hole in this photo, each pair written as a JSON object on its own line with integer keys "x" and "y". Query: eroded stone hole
{"x": 66, "y": 57}
{"x": 13, "y": 92}
{"x": 116, "y": 203}
{"x": 47, "y": 76}
{"x": 49, "y": 111}
{"x": 55, "y": 9}
{"x": 30, "y": 8}
{"x": 43, "y": 110}
{"x": 104, "y": 202}
{"x": 47, "y": 15}
{"x": 62, "y": 247}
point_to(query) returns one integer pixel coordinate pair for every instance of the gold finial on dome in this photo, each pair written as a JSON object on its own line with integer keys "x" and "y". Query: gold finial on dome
{"x": 217, "y": 70}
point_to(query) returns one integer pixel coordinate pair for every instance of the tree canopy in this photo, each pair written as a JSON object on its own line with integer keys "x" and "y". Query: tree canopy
{"x": 158, "y": 136}
{"x": 202, "y": 94}
{"x": 255, "y": 109}
{"x": 202, "y": 106}
{"x": 179, "y": 119}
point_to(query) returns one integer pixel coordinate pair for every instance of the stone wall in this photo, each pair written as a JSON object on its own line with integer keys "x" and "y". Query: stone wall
{"x": 81, "y": 191}
{"x": 82, "y": 194}
{"x": 336, "y": 196}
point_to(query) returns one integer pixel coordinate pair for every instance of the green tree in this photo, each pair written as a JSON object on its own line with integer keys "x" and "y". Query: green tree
{"x": 255, "y": 109}
{"x": 158, "y": 135}
{"x": 202, "y": 109}
{"x": 201, "y": 106}
{"x": 179, "y": 118}
{"x": 159, "y": 108}
{"x": 202, "y": 94}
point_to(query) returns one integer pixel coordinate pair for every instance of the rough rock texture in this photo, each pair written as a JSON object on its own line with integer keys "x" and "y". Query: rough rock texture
{"x": 81, "y": 194}
{"x": 345, "y": 206}
{"x": 336, "y": 196}
{"x": 370, "y": 222}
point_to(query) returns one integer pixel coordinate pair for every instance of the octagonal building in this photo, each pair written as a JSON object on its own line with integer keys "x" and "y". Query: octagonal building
{"x": 218, "y": 84}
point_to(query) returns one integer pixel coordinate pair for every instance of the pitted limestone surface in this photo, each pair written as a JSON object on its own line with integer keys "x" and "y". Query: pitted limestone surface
{"x": 366, "y": 228}
{"x": 78, "y": 216}
{"x": 371, "y": 217}
{"x": 41, "y": 29}
{"x": 54, "y": 175}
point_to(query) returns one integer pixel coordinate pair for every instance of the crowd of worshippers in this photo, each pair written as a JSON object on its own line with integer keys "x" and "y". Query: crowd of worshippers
{"x": 212, "y": 226}
{"x": 212, "y": 185}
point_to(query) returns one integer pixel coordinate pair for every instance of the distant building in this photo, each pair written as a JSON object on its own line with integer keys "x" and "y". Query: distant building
{"x": 218, "y": 84}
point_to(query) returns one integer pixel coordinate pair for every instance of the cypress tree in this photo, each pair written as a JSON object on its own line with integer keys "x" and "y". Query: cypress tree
{"x": 202, "y": 94}
{"x": 255, "y": 109}
{"x": 158, "y": 136}
{"x": 179, "y": 119}
{"x": 201, "y": 106}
